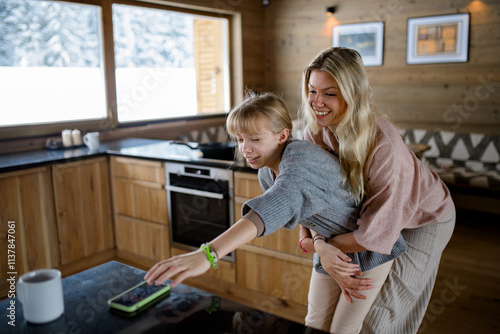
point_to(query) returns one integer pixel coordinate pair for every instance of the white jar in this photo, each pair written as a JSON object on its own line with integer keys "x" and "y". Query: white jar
{"x": 76, "y": 135}
{"x": 66, "y": 138}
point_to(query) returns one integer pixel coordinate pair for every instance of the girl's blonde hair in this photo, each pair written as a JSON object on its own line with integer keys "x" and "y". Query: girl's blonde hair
{"x": 266, "y": 110}
{"x": 356, "y": 131}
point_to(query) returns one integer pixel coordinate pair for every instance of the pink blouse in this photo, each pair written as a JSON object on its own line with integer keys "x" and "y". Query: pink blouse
{"x": 401, "y": 192}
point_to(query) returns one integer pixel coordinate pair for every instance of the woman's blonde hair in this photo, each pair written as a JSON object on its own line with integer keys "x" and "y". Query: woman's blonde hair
{"x": 356, "y": 132}
{"x": 259, "y": 110}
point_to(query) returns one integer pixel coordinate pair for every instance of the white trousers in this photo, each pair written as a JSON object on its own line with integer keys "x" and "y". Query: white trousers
{"x": 328, "y": 310}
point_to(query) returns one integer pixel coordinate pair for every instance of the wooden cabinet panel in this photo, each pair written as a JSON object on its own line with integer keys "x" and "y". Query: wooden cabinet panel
{"x": 140, "y": 206}
{"x": 83, "y": 207}
{"x": 246, "y": 185}
{"x": 273, "y": 274}
{"x": 138, "y": 169}
{"x": 26, "y": 198}
{"x": 283, "y": 240}
{"x": 140, "y": 199}
{"x": 142, "y": 238}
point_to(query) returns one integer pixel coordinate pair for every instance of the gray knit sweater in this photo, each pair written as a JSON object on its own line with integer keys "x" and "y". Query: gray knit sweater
{"x": 308, "y": 191}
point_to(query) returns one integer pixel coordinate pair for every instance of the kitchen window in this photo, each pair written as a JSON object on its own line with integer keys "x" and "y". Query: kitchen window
{"x": 169, "y": 63}
{"x": 51, "y": 67}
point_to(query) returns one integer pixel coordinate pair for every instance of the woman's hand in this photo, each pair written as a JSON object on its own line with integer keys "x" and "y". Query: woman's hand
{"x": 182, "y": 266}
{"x": 334, "y": 261}
{"x": 335, "y": 264}
{"x": 351, "y": 285}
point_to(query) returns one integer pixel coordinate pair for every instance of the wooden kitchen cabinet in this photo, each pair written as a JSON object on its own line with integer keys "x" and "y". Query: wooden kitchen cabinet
{"x": 83, "y": 207}
{"x": 26, "y": 198}
{"x": 274, "y": 265}
{"x": 246, "y": 186}
{"x": 140, "y": 210}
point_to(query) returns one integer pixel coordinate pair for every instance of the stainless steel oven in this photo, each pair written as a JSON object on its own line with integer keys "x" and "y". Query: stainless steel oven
{"x": 200, "y": 203}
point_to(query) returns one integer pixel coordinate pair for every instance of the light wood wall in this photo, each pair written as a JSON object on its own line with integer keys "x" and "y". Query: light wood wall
{"x": 415, "y": 96}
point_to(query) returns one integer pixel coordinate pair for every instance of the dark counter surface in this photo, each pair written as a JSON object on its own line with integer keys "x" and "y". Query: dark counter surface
{"x": 161, "y": 150}
{"x": 15, "y": 161}
{"x": 183, "y": 311}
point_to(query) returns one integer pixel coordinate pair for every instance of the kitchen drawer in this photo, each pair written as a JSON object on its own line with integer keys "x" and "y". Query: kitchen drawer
{"x": 138, "y": 169}
{"x": 246, "y": 185}
{"x": 140, "y": 199}
{"x": 142, "y": 239}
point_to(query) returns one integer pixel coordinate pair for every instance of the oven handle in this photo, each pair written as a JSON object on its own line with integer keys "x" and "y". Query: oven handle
{"x": 195, "y": 192}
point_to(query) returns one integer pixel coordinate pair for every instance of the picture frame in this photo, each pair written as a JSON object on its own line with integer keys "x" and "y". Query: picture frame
{"x": 438, "y": 39}
{"x": 366, "y": 38}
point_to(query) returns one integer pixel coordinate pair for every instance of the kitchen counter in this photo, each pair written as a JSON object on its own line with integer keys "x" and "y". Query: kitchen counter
{"x": 152, "y": 149}
{"x": 183, "y": 311}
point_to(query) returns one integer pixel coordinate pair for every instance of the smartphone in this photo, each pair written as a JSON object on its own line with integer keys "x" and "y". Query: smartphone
{"x": 138, "y": 297}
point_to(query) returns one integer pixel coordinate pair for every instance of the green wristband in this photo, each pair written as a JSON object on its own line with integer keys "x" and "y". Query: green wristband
{"x": 212, "y": 256}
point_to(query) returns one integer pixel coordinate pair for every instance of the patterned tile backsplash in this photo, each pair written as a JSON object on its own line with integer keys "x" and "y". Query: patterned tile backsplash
{"x": 212, "y": 134}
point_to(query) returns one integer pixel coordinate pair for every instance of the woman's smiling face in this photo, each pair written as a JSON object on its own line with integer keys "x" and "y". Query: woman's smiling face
{"x": 326, "y": 99}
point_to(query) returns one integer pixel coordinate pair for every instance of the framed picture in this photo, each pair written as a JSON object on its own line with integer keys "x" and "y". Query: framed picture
{"x": 366, "y": 38}
{"x": 438, "y": 39}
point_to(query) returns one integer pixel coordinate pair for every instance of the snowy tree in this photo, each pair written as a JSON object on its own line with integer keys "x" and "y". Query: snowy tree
{"x": 61, "y": 34}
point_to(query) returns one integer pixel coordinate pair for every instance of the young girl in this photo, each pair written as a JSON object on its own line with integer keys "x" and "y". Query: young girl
{"x": 301, "y": 184}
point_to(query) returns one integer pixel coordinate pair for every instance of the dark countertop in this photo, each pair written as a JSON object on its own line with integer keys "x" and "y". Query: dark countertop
{"x": 153, "y": 149}
{"x": 183, "y": 311}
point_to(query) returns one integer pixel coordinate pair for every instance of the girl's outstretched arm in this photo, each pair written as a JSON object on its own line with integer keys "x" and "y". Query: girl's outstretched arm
{"x": 196, "y": 263}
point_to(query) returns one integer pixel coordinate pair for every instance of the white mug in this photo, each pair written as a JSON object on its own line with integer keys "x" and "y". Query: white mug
{"x": 91, "y": 139}
{"x": 40, "y": 292}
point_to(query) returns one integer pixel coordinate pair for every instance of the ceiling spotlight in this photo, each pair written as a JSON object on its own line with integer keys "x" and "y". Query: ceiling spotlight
{"x": 330, "y": 10}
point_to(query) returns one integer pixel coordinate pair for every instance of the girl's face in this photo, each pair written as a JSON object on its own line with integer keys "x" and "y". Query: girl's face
{"x": 263, "y": 148}
{"x": 326, "y": 100}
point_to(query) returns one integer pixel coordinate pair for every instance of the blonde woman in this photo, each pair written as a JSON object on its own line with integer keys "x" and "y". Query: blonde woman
{"x": 397, "y": 193}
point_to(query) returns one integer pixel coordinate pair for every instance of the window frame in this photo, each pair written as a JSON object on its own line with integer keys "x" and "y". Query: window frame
{"x": 111, "y": 120}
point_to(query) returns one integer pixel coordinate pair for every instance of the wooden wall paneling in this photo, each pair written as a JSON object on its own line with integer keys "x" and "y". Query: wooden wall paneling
{"x": 298, "y": 30}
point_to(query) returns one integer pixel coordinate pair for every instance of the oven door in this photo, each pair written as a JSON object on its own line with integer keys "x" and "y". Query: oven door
{"x": 200, "y": 209}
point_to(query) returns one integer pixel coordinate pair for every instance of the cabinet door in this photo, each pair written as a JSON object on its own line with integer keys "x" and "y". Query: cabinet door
{"x": 83, "y": 207}
{"x": 26, "y": 198}
{"x": 246, "y": 186}
{"x": 142, "y": 239}
{"x": 275, "y": 274}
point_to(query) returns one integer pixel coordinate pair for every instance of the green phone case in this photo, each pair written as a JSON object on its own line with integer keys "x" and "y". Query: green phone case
{"x": 144, "y": 302}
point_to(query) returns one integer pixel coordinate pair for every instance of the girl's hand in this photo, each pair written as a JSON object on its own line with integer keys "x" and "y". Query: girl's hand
{"x": 307, "y": 242}
{"x": 307, "y": 245}
{"x": 182, "y": 266}
{"x": 334, "y": 261}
